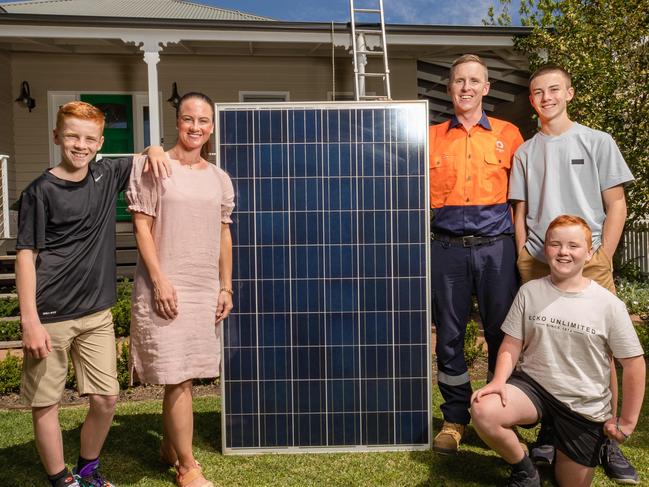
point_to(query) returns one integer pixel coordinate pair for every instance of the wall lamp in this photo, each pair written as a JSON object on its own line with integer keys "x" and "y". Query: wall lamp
{"x": 25, "y": 97}
{"x": 174, "y": 99}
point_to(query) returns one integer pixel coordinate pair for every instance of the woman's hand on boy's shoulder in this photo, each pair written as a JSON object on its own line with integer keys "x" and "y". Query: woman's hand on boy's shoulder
{"x": 158, "y": 162}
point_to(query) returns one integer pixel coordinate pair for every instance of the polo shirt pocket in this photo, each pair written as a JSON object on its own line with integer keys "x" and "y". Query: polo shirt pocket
{"x": 443, "y": 176}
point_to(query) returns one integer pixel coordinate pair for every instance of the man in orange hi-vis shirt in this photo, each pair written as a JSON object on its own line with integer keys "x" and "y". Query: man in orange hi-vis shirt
{"x": 472, "y": 248}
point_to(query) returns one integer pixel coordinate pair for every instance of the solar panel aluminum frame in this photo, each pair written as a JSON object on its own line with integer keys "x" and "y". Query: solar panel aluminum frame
{"x": 422, "y": 107}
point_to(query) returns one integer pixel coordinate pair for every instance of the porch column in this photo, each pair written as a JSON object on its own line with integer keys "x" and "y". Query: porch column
{"x": 151, "y": 58}
{"x": 151, "y": 44}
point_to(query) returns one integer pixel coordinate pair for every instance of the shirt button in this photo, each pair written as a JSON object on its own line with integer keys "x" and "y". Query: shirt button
{"x": 467, "y": 200}
{"x": 469, "y": 156}
{"x": 468, "y": 178}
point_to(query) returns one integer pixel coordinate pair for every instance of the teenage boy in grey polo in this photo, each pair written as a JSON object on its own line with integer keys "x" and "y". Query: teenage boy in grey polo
{"x": 566, "y": 173}
{"x": 567, "y": 168}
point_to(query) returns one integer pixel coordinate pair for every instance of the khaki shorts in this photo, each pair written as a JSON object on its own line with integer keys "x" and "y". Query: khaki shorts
{"x": 599, "y": 268}
{"x": 91, "y": 342}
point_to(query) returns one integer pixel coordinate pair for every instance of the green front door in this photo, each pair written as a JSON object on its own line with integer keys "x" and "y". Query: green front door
{"x": 118, "y": 132}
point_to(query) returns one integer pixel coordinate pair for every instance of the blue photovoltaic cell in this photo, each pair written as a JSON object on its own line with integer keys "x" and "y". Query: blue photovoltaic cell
{"x": 328, "y": 345}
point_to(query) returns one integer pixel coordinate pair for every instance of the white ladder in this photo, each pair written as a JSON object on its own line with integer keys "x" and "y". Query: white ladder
{"x": 361, "y": 52}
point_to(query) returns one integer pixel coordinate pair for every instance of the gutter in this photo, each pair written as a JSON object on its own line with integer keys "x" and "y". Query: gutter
{"x": 265, "y": 25}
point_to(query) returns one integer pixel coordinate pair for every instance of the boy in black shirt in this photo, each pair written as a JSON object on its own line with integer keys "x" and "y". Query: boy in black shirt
{"x": 65, "y": 276}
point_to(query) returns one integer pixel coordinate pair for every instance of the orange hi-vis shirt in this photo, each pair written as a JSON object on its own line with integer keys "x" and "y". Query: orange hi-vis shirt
{"x": 469, "y": 176}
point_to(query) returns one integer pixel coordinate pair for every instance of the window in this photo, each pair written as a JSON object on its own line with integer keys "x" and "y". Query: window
{"x": 263, "y": 96}
{"x": 345, "y": 95}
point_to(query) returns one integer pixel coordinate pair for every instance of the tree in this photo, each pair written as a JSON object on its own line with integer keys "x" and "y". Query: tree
{"x": 604, "y": 44}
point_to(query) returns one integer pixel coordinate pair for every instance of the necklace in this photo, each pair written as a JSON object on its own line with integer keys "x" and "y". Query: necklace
{"x": 184, "y": 163}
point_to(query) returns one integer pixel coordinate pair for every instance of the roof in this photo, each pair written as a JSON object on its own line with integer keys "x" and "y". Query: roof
{"x": 157, "y": 9}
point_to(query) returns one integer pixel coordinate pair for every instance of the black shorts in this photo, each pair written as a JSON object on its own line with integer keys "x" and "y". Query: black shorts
{"x": 580, "y": 439}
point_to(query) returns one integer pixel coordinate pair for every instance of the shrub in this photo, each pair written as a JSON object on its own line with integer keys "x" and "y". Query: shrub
{"x": 122, "y": 309}
{"x": 472, "y": 349}
{"x": 70, "y": 378}
{"x": 10, "y": 331}
{"x": 123, "y": 376}
{"x": 9, "y": 307}
{"x": 635, "y": 295}
{"x": 10, "y": 370}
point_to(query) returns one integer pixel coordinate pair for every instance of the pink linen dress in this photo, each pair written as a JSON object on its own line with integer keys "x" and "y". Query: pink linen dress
{"x": 189, "y": 207}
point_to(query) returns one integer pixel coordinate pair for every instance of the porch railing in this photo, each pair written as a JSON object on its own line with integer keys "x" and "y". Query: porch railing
{"x": 5, "y": 231}
{"x": 636, "y": 246}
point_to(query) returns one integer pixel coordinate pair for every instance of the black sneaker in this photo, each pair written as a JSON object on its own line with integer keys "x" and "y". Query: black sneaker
{"x": 67, "y": 481}
{"x": 616, "y": 465}
{"x": 520, "y": 478}
{"x": 542, "y": 451}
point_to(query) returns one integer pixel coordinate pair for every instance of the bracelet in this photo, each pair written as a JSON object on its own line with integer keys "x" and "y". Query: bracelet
{"x": 227, "y": 290}
{"x": 617, "y": 427}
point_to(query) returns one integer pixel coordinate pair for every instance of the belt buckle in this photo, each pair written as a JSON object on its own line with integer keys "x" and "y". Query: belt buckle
{"x": 466, "y": 240}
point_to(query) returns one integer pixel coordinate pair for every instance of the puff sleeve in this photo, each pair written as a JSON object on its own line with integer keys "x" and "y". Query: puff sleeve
{"x": 142, "y": 192}
{"x": 227, "y": 203}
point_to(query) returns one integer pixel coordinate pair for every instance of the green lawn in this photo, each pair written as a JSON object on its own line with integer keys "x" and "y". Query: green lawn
{"x": 131, "y": 456}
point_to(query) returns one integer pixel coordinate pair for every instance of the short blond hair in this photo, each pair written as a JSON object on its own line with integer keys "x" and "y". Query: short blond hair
{"x": 551, "y": 68}
{"x": 469, "y": 58}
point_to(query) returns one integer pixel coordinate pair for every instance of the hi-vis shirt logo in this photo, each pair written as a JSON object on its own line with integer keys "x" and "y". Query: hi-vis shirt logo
{"x": 500, "y": 146}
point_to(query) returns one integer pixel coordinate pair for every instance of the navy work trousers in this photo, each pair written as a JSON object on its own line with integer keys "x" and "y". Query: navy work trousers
{"x": 489, "y": 272}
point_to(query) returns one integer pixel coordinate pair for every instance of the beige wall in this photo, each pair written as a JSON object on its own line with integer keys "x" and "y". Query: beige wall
{"x": 8, "y": 92}
{"x": 307, "y": 79}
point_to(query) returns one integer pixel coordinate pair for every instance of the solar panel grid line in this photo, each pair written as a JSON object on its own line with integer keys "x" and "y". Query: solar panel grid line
{"x": 394, "y": 373}
{"x": 256, "y": 307}
{"x": 326, "y": 389}
{"x": 358, "y": 273}
{"x": 291, "y": 304}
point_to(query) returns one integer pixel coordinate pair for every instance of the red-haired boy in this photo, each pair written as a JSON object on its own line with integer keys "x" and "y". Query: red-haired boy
{"x": 66, "y": 276}
{"x": 562, "y": 327}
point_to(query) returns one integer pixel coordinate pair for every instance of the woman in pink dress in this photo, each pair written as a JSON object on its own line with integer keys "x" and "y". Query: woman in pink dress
{"x": 183, "y": 280}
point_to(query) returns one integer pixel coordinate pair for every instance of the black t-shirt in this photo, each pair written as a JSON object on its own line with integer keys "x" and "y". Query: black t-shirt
{"x": 72, "y": 226}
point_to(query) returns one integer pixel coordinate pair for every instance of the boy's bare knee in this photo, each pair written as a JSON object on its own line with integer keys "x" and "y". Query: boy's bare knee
{"x": 479, "y": 413}
{"x": 41, "y": 412}
{"x": 103, "y": 404}
{"x": 486, "y": 413}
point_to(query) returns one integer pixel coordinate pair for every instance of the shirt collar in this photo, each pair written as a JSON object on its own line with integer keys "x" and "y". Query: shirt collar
{"x": 484, "y": 122}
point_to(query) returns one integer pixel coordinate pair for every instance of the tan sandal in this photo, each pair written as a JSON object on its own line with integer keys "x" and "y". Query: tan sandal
{"x": 168, "y": 455}
{"x": 183, "y": 480}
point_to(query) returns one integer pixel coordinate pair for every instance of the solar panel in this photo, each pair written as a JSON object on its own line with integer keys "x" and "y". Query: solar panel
{"x": 328, "y": 346}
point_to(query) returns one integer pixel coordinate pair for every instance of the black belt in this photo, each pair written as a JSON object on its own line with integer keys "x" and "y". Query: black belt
{"x": 468, "y": 240}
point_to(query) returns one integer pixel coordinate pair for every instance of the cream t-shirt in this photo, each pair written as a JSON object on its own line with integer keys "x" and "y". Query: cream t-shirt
{"x": 567, "y": 339}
